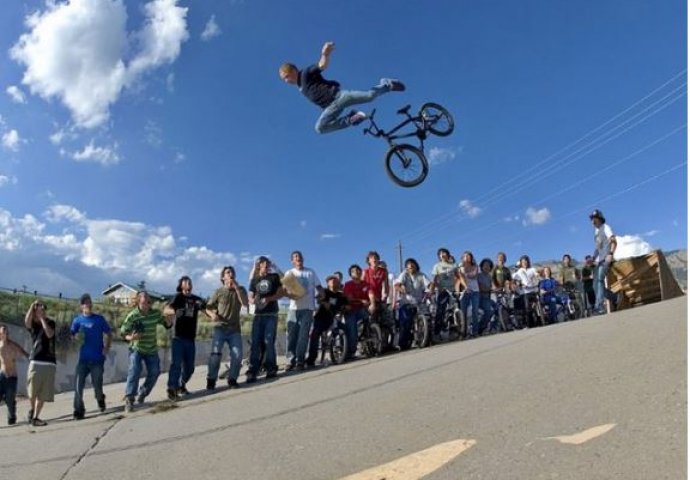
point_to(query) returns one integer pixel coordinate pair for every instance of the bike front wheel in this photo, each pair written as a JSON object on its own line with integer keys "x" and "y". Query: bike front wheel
{"x": 437, "y": 119}
{"x": 406, "y": 165}
{"x": 337, "y": 346}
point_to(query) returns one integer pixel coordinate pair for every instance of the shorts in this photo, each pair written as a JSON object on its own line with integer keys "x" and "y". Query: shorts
{"x": 40, "y": 381}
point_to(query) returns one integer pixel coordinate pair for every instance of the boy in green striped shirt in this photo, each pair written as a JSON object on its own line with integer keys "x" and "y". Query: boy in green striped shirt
{"x": 139, "y": 329}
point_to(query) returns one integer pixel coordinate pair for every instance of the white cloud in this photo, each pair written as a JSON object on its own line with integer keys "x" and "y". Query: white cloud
{"x": 650, "y": 233}
{"x": 6, "y": 180}
{"x": 675, "y": 223}
{"x": 81, "y": 53}
{"x": 329, "y": 236}
{"x": 16, "y": 94}
{"x": 303, "y": 223}
{"x": 536, "y": 217}
{"x": 73, "y": 251}
{"x": 439, "y": 155}
{"x": 57, "y": 137}
{"x": 469, "y": 208}
{"x": 631, "y": 246}
{"x": 179, "y": 158}
{"x": 170, "y": 82}
{"x": 11, "y": 140}
{"x": 106, "y": 156}
{"x": 211, "y": 30}
{"x": 153, "y": 134}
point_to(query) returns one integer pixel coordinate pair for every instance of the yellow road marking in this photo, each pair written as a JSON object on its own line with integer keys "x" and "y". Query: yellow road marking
{"x": 415, "y": 465}
{"x": 582, "y": 437}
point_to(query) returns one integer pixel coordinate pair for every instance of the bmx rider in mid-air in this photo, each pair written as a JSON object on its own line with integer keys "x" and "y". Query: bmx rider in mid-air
{"x": 328, "y": 95}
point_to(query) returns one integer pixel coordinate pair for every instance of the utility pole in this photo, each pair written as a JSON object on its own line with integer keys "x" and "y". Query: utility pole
{"x": 399, "y": 248}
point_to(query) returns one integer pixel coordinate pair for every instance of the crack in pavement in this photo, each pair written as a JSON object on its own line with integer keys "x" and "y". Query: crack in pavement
{"x": 90, "y": 448}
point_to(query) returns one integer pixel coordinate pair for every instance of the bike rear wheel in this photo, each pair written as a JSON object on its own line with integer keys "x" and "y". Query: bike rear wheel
{"x": 420, "y": 332}
{"x": 406, "y": 165}
{"x": 437, "y": 119}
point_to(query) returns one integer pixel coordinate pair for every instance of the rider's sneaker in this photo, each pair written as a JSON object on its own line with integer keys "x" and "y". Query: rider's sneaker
{"x": 393, "y": 84}
{"x": 355, "y": 118}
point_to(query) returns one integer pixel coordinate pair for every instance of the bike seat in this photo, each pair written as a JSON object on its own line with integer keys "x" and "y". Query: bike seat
{"x": 405, "y": 110}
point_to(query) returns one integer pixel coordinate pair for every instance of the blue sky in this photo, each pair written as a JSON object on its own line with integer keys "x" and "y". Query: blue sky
{"x": 146, "y": 140}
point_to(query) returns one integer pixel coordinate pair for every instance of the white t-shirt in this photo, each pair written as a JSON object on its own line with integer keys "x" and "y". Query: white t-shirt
{"x": 309, "y": 280}
{"x": 471, "y": 273}
{"x": 415, "y": 286}
{"x": 602, "y": 241}
{"x": 444, "y": 274}
{"x": 529, "y": 280}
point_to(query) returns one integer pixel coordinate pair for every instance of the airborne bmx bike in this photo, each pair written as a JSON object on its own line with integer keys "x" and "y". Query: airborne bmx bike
{"x": 406, "y": 164}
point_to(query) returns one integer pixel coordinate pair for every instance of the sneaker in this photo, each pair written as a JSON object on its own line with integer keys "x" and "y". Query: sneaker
{"x": 11, "y": 420}
{"x": 141, "y": 398}
{"x": 355, "y": 118}
{"x": 30, "y": 416}
{"x": 232, "y": 383}
{"x": 272, "y": 374}
{"x": 251, "y": 379}
{"x": 172, "y": 394}
{"x": 101, "y": 404}
{"x": 78, "y": 415}
{"x": 129, "y": 404}
{"x": 289, "y": 367}
{"x": 393, "y": 84}
{"x": 299, "y": 366}
{"x": 182, "y": 390}
{"x": 210, "y": 384}
{"x": 37, "y": 422}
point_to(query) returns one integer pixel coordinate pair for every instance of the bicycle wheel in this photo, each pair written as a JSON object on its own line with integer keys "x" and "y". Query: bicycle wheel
{"x": 406, "y": 165}
{"x": 437, "y": 119}
{"x": 337, "y": 346}
{"x": 421, "y": 331}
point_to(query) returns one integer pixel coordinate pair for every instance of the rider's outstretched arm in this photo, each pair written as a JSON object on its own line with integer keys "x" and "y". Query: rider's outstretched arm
{"x": 325, "y": 55}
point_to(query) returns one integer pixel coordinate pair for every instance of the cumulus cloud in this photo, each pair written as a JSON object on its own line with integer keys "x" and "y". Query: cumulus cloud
{"x": 439, "y": 155}
{"x": 11, "y": 140}
{"x": 303, "y": 223}
{"x": 211, "y": 30}
{"x": 106, "y": 156}
{"x": 329, "y": 236}
{"x": 469, "y": 208}
{"x": 536, "y": 217}
{"x": 16, "y": 94}
{"x": 77, "y": 253}
{"x": 6, "y": 180}
{"x": 631, "y": 246}
{"x": 81, "y": 53}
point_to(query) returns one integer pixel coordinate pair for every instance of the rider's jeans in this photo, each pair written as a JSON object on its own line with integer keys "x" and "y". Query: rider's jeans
{"x": 263, "y": 333}
{"x": 298, "y": 336}
{"x": 552, "y": 301}
{"x": 442, "y": 299}
{"x": 351, "y": 321}
{"x": 488, "y": 307}
{"x": 330, "y": 119}
{"x": 467, "y": 299}
{"x": 220, "y": 338}
{"x": 406, "y": 314}
{"x": 182, "y": 363}
{"x": 601, "y": 291}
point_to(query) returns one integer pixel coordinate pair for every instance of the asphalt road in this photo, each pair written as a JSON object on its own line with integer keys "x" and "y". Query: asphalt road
{"x": 505, "y": 395}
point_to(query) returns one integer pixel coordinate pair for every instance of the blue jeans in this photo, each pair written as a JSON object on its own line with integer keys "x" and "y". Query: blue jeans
{"x": 85, "y": 368}
{"x": 467, "y": 299}
{"x": 602, "y": 293}
{"x": 183, "y": 355}
{"x": 8, "y": 392}
{"x": 330, "y": 119}
{"x": 488, "y": 307}
{"x": 298, "y": 336}
{"x": 406, "y": 314}
{"x": 153, "y": 369}
{"x": 264, "y": 329}
{"x": 351, "y": 321}
{"x": 234, "y": 341}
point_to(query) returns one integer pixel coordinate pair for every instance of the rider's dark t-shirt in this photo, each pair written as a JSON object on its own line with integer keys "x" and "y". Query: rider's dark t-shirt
{"x": 316, "y": 88}
{"x": 263, "y": 287}
{"x": 42, "y": 346}
{"x": 332, "y": 303}
{"x": 186, "y": 315}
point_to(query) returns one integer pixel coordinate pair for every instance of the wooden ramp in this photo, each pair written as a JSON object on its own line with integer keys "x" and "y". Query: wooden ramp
{"x": 642, "y": 280}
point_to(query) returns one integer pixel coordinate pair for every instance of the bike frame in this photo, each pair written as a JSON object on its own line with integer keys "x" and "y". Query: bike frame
{"x": 390, "y": 136}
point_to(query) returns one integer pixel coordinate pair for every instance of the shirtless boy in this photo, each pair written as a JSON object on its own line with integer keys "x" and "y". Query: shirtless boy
{"x": 9, "y": 352}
